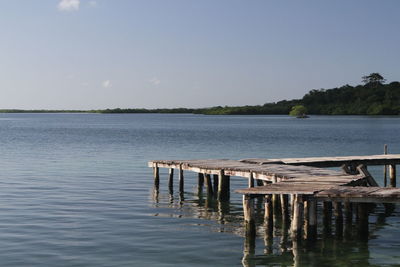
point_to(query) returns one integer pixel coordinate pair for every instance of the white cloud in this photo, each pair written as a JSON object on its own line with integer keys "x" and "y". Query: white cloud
{"x": 69, "y": 5}
{"x": 155, "y": 81}
{"x": 106, "y": 84}
{"x": 93, "y": 3}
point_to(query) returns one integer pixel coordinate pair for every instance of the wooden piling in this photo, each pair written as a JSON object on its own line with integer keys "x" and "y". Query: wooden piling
{"x": 181, "y": 180}
{"x": 251, "y": 180}
{"x": 275, "y": 198}
{"x": 338, "y": 211}
{"x": 327, "y": 217}
{"x": 156, "y": 172}
{"x": 223, "y": 186}
{"x": 363, "y": 221}
{"x": 392, "y": 174}
{"x": 312, "y": 219}
{"x": 268, "y": 215}
{"x": 215, "y": 182}
{"x": 207, "y": 181}
{"x": 285, "y": 207}
{"x": 171, "y": 180}
{"x": 385, "y": 167}
{"x": 248, "y": 209}
{"x": 297, "y": 222}
{"x": 348, "y": 219}
{"x": 200, "y": 180}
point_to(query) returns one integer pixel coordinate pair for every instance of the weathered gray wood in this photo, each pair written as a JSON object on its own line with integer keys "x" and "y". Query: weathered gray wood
{"x": 181, "y": 180}
{"x": 297, "y": 221}
{"x": 268, "y": 215}
{"x": 248, "y": 209}
{"x": 200, "y": 180}
{"x": 312, "y": 219}
{"x": 156, "y": 173}
{"x": 207, "y": 181}
{"x": 392, "y": 174}
{"x": 251, "y": 180}
{"x": 171, "y": 179}
{"x": 215, "y": 182}
{"x": 363, "y": 170}
{"x": 327, "y": 217}
{"x": 331, "y": 161}
{"x": 223, "y": 186}
{"x": 385, "y": 167}
{"x": 363, "y": 221}
{"x": 284, "y": 199}
{"x": 338, "y": 211}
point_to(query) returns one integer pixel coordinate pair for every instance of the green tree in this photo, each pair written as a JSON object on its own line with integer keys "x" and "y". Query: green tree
{"x": 298, "y": 111}
{"x": 373, "y": 79}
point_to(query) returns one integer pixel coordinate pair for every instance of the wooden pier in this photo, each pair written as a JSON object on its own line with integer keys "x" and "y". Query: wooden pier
{"x": 302, "y": 180}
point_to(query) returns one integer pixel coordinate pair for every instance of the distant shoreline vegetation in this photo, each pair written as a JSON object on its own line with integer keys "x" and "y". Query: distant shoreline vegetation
{"x": 372, "y": 98}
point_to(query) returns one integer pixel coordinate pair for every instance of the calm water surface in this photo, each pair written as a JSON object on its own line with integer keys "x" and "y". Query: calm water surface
{"x": 75, "y": 190}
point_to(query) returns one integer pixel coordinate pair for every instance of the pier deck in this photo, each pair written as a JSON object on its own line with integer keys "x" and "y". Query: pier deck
{"x": 323, "y": 162}
{"x": 303, "y": 179}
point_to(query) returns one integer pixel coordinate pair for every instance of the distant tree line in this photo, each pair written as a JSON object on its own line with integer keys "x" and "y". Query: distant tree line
{"x": 372, "y": 98}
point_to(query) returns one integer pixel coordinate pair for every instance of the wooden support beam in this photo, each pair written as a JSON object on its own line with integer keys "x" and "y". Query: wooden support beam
{"x": 363, "y": 170}
{"x": 327, "y": 218}
{"x": 363, "y": 221}
{"x": 392, "y": 174}
{"x": 181, "y": 180}
{"x": 156, "y": 172}
{"x": 248, "y": 209}
{"x": 251, "y": 180}
{"x": 338, "y": 211}
{"x": 200, "y": 180}
{"x": 285, "y": 207}
{"x": 215, "y": 183}
{"x": 268, "y": 215}
{"x": 207, "y": 181}
{"x": 312, "y": 219}
{"x": 223, "y": 186}
{"x": 297, "y": 222}
{"x": 385, "y": 167}
{"x": 171, "y": 181}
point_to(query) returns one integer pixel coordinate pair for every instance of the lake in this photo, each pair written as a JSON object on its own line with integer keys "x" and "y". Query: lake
{"x": 75, "y": 189}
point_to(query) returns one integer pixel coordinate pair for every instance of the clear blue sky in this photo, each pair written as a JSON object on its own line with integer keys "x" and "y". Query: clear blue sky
{"x": 81, "y": 54}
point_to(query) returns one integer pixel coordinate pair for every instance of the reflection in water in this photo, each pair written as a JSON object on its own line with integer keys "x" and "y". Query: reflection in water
{"x": 342, "y": 238}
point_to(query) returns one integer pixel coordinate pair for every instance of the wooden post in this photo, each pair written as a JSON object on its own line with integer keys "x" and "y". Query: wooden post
{"x": 385, "y": 151}
{"x": 181, "y": 179}
{"x": 248, "y": 209}
{"x": 348, "y": 211}
{"x": 338, "y": 219}
{"x": 200, "y": 180}
{"x": 268, "y": 215}
{"x": 363, "y": 221}
{"x": 327, "y": 218}
{"x": 312, "y": 219}
{"x": 156, "y": 173}
{"x": 207, "y": 181}
{"x": 392, "y": 174}
{"x": 284, "y": 208}
{"x": 171, "y": 181}
{"x": 251, "y": 180}
{"x": 223, "y": 186}
{"x": 215, "y": 182}
{"x": 297, "y": 222}
{"x": 275, "y": 198}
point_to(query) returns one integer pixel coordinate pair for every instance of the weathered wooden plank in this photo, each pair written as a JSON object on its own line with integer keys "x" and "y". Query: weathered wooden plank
{"x": 332, "y": 161}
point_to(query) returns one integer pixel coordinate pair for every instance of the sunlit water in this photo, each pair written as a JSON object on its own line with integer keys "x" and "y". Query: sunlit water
{"x": 75, "y": 189}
